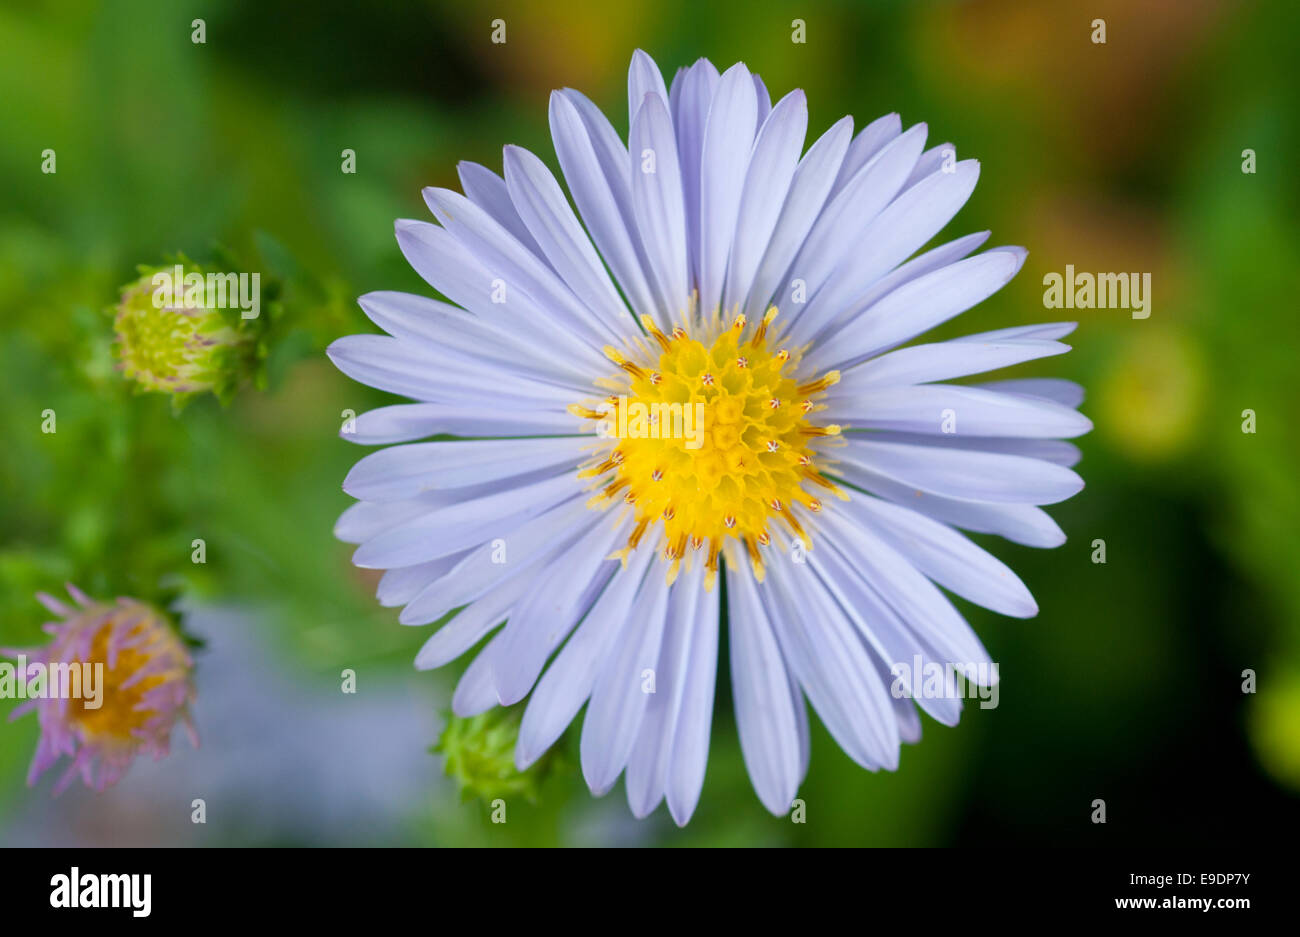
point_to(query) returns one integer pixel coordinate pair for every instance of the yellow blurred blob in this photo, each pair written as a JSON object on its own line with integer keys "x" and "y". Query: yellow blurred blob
{"x": 1275, "y": 728}
{"x": 1152, "y": 400}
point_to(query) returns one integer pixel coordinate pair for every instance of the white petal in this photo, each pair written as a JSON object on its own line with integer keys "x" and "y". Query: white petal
{"x": 568, "y": 682}
{"x": 471, "y": 624}
{"x": 920, "y": 409}
{"x": 923, "y": 607}
{"x": 850, "y": 211}
{"x": 647, "y": 767}
{"x": 532, "y": 542}
{"x": 932, "y": 161}
{"x": 402, "y": 472}
{"x": 474, "y": 692}
{"x": 443, "y": 327}
{"x": 1047, "y": 331}
{"x": 644, "y": 77}
{"x": 728, "y": 142}
{"x": 964, "y": 474}
{"x": 940, "y": 361}
{"x": 399, "y": 586}
{"x": 595, "y": 165}
{"x": 515, "y": 267}
{"x": 404, "y": 422}
{"x": 947, "y": 557}
{"x": 488, "y": 191}
{"x": 366, "y": 519}
{"x": 462, "y": 525}
{"x": 660, "y": 207}
{"x": 541, "y": 622}
{"x": 870, "y": 140}
{"x": 544, "y": 209}
{"x": 414, "y": 371}
{"x": 808, "y": 193}
{"x": 766, "y": 720}
{"x": 825, "y": 316}
{"x": 1019, "y": 523}
{"x": 1049, "y": 450}
{"x": 771, "y": 170}
{"x": 918, "y": 306}
{"x": 896, "y": 233}
{"x": 1066, "y": 393}
{"x": 461, "y": 276}
{"x": 692, "y": 94}
{"x": 764, "y": 99}
{"x": 618, "y": 701}
{"x": 832, "y": 665}
{"x": 690, "y": 752}
{"x": 883, "y": 630}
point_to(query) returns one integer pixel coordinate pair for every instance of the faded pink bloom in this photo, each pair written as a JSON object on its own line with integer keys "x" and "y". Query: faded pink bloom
{"x": 145, "y": 688}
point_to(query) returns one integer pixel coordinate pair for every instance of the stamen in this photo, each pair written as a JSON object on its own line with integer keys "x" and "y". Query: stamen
{"x": 755, "y": 559}
{"x": 614, "y": 355}
{"x": 649, "y": 325}
{"x": 585, "y": 412}
{"x": 832, "y": 429}
{"x": 761, "y": 333}
{"x": 638, "y": 532}
{"x": 823, "y": 382}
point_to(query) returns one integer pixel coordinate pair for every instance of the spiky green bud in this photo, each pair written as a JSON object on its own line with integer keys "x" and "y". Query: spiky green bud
{"x": 480, "y": 754}
{"x": 185, "y": 329}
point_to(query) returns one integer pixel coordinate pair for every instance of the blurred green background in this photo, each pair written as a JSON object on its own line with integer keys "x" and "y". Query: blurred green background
{"x": 1125, "y": 156}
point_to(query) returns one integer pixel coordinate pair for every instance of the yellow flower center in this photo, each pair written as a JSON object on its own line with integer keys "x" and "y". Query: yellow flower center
{"x": 123, "y": 709}
{"x": 711, "y": 437}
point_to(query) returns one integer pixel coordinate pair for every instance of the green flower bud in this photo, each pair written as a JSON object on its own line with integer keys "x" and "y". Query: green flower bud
{"x": 480, "y": 755}
{"x": 185, "y": 330}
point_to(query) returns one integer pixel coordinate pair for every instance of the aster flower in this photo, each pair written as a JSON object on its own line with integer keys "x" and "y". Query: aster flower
{"x": 178, "y": 340}
{"x": 831, "y": 468}
{"x": 146, "y": 688}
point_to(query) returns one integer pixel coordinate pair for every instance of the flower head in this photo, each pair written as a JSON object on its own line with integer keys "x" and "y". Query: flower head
{"x": 134, "y": 685}
{"x": 177, "y": 336}
{"x": 707, "y": 376}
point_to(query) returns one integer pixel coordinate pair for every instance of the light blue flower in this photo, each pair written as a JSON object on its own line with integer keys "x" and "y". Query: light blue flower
{"x": 720, "y": 265}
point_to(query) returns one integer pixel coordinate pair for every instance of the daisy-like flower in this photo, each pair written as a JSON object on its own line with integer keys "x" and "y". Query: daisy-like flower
{"x": 144, "y": 689}
{"x": 811, "y": 463}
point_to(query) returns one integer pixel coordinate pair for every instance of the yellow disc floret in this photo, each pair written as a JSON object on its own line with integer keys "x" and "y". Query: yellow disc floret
{"x": 711, "y": 437}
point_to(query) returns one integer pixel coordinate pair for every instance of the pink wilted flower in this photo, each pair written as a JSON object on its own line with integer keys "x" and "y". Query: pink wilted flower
{"x": 111, "y": 685}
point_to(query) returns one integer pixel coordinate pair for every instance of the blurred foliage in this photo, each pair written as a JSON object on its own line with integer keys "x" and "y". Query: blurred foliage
{"x": 1116, "y": 157}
